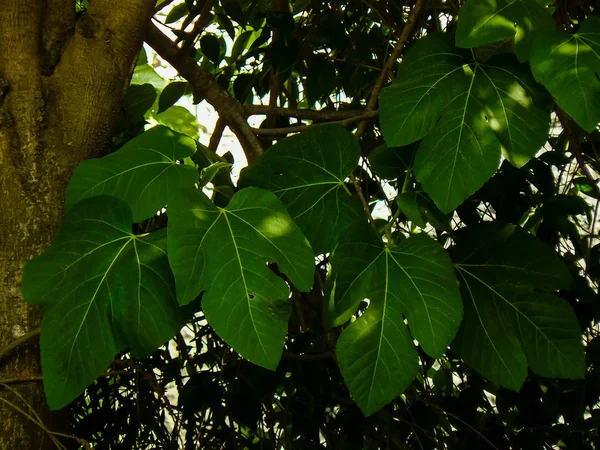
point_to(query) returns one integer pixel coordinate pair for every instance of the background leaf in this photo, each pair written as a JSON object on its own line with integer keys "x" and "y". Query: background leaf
{"x": 102, "y": 290}
{"x": 307, "y": 173}
{"x": 225, "y": 252}
{"x": 142, "y": 173}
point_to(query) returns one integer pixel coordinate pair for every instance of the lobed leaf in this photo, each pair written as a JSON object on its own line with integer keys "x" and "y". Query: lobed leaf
{"x": 102, "y": 290}
{"x": 142, "y": 173}
{"x": 467, "y": 113}
{"x": 487, "y": 21}
{"x": 225, "y": 251}
{"x": 512, "y": 319}
{"x": 415, "y": 279}
{"x": 568, "y": 66}
{"x": 307, "y": 173}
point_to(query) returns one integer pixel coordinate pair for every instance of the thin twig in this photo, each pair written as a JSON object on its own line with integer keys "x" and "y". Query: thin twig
{"x": 406, "y": 34}
{"x": 199, "y": 26}
{"x": 216, "y": 135}
{"x": 364, "y": 202}
{"x": 299, "y": 128}
{"x": 18, "y": 342}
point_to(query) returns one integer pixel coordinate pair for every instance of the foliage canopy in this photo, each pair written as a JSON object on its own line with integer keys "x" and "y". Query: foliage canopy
{"x": 389, "y": 280}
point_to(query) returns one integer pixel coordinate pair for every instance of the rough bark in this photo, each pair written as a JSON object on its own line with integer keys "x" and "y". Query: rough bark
{"x": 62, "y": 82}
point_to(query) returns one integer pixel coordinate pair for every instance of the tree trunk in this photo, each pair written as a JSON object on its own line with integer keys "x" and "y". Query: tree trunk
{"x": 62, "y": 82}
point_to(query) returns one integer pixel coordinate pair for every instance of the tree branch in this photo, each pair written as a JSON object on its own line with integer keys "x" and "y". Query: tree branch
{"x": 199, "y": 26}
{"x": 299, "y": 128}
{"x": 308, "y": 114}
{"x": 206, "y": 85}
{"x": 405, "y": 35}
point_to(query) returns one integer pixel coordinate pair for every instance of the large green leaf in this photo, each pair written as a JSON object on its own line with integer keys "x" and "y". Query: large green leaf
{"x": 376, "y": 354}
{"x": 487, "y": 21}
{"x": 307, "y": 173}
{"x": 101, "y": 290}
{"x": 142, "y": 173}
{"x": 468, "y": 114}
{"x": 568, "y": 65}
{"x": 512, "y": 318}
{"x": 225, "y": 251}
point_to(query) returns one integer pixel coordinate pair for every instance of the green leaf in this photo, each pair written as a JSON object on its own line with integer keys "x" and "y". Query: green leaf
{"x": 211, "y": 47}
{"x": 181, "y": 120}
{"x": 568, "y": 65}
{"x": 142, "y": 173}
{"x": 307, "y": 172}
{"x": 391, "y": 162}
{"x": 139, "y": 99}
{"x": 145, "y": 74}
{"x": 419, "y": 209}
{"x": 177, "y": 12}
{"x": 209, "y": 173}
{"x": 468, "y": 114}
{"x": 512, "y": 318}
{"x": 101, "y": 290}
{"x": 171, "y": 93}
{"x": 376, "y": 354}
{"x": 225, "y": 251}
{"x": 487, "y": 21}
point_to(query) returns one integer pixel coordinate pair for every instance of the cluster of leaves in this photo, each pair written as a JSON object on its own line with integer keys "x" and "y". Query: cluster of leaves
{"x": 416, "y": 328}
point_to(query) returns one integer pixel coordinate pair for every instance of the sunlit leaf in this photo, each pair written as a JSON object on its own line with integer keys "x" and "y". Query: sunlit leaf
{"x": 487, "y": 21}
{"x": 102, "y": 290}
{"x": 414, "y": 280}
{"x": 142, "y": 173}
{"x": 467, "y": 113}
{"x": 569, "y": 66}
{"x": 225, "y": 251}
{"x": 307, "y": 173}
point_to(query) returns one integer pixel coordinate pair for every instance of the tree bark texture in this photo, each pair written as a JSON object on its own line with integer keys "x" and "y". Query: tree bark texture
{"x": 63, "y": 80}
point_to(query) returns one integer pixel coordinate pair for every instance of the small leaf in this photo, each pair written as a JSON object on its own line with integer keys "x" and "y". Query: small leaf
{"x": 512, "y": 318}
{"x": 101, "y": 290}
{"x": 211, "y": 47}
{"x": 568, "y": 65}
{"x": 181, "y": 120}
{"x": 377, "y": 357}
{"x": 209, "y": 173}
{"x": 487, "y": 21}
{"x": 139, "y": 99}
{"x": 177, "y": 12}
{"x": 145, "y": 74}
{"x": 419, "y": 209}
{"x": 142, "y": 172}
{"x": 391, "y": 162}
{"x": 307, "y": 172}
{"x": 225, "y": 251}
{"x": 171, "y": 93}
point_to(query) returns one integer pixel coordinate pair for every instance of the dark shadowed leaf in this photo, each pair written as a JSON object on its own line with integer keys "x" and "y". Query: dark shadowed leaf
{"x": 512, "y": 319}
